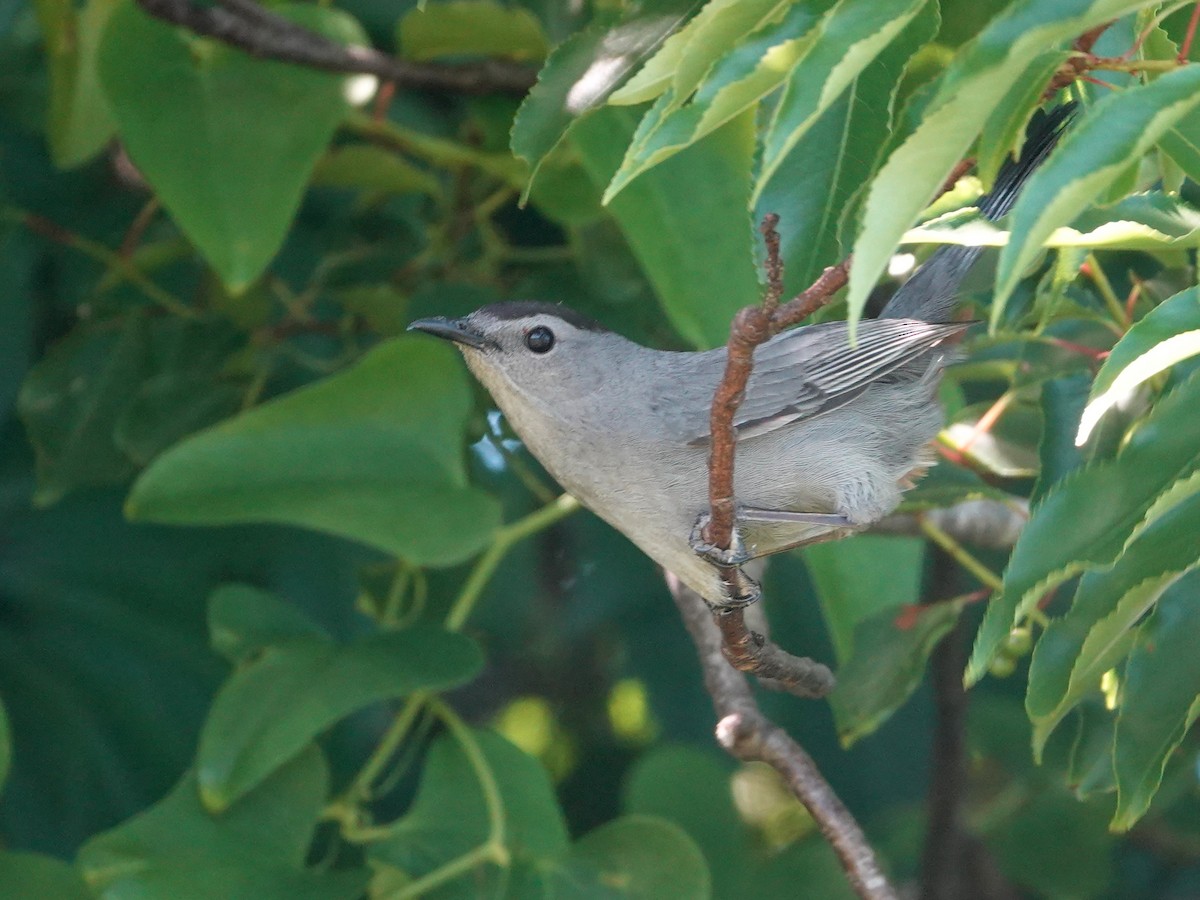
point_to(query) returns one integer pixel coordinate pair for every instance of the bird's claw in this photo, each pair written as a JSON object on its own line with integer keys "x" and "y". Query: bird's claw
{"x": 735, "y": 556}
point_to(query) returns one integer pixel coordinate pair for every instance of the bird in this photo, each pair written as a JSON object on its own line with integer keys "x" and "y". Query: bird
{"x": 830, "y": 433}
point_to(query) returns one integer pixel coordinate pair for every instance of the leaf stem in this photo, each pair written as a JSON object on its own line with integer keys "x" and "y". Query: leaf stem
{"x": 1115, "y": 307}
{"x": 961, "y": 555}
{"x": 510, "y": 534}
{"x": 360, "y": 787}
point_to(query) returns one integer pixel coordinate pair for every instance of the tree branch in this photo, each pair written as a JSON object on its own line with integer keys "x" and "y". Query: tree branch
{"x": 748, "y": 735}
{"x": 258, "y": 31}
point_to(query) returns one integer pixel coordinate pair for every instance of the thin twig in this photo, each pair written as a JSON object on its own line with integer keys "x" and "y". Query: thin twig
{"x": 1077, "y": 65}
{"x": 748, "y": 735}
{"x": 255, "y": 30}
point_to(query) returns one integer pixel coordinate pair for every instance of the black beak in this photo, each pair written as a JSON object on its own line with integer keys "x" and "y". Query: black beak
{"x": 456, "y": 330}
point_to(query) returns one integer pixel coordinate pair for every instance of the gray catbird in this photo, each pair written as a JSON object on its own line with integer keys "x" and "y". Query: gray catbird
{"x": 829, "y": 434}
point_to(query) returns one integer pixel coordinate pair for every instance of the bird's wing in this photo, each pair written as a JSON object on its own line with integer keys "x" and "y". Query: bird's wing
{"x": 809, "y": 371}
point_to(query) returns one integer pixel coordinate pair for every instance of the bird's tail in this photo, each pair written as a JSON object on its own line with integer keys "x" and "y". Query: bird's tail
{"x": 931, "y": 293}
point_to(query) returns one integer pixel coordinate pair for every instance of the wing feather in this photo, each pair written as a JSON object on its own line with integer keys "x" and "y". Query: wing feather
{"x": 806, "y": 372}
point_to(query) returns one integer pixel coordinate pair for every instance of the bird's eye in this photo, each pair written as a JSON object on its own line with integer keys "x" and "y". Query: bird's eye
{"x": 539, "y": 339}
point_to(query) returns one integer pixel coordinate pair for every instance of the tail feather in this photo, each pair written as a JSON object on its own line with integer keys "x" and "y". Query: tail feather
{"x": 931, "y": 293}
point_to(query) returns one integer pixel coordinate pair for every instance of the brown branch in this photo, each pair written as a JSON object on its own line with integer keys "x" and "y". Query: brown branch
{"x": 748, "y": 735}
{"x": 255, "y": 30}
{"x": 1077, "y": 65}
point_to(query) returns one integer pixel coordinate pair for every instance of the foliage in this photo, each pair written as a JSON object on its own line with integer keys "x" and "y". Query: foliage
{"x": 206, "y": 264}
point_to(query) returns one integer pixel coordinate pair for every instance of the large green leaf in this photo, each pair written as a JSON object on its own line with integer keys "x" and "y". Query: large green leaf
{"x": 817, "y": 183}
{"x": 1086, "y": 521}
{"x": 976, "y": 82}
{"x": 887, "y": 664}
{"x": 449, "y": 816}
{"x": 1076, "y": 649}
{"x": 5, "y": 745}
{"x": 583, "y": 70}
{"x": 1160, "y": 698}
{"x": 373, "y": 453}
{"x": 1094, "y": 153}
{"x": 26, "y": 876}
{"x": 700, "y": 264}
{"x": 227, "y": 141}
{"x": 243, "y": 621}
{"x": 1169, "y": 333}
{"x": 269, "y": 710}
{"x": 257, "y": 848}
{"x": 860, "y": 577}
{"x": 79, "y": 123}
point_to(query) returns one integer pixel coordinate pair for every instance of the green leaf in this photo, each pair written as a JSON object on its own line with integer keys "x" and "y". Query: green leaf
{"x": 887, "y": 664}
{"x": 470, "y": 28}
{"x": 861, "y": 577}
{"x": 32, "y": 875}
{"x": 368, "y": 168}
{"x": 1092, "y": 155}
{"x": 449, "y": 816}
{"x": 243, "y": 621}
{"x": 817, "y": 183}
{"x": 1086, "y": 521}
{"x": 256, "y": 848}
{"x": 700, "y": 263}
{"x": 741, "y": 78}
{"x": 845, "y": 42}
{"x": 975, "y": 84}
{"x": 582, "y": 72}
{"x": 1004, "y": 130}
{"x": 373, "y": 453}
{"x": 227, "y": 141}
{"x": 689, "y": 54}
{"x": 78, "y": 123}
{"x": 1167, "y": 334}
{"x": 1097, "y": 632}
{"x": 268, "y": 711}
{"x": 638, "y": 857}
{"x": 1063, "y": 400}
{"x": 1160, "y": 698}
{"x": 1151, "y": 221}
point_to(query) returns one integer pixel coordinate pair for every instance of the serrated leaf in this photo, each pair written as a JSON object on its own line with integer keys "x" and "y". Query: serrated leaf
{"x": 584, "y": 70}
{"x": 374, "y": 453}
{"x": 846, "y": 41}
{"x": 700, "y": 291}
{"x": 1151, "y": 221}
{"x": 972, "y": 87}
{"x": 1090, "y": 768}
{"x": 256, "y": 848}
{"x": 243, "y": 621}
{"x": 1093, "y": 153}
{"x": 736, "y": 83}
{"x": 1063, "y": 400}
{"x": 78, "y": 121}
{"x": 269, "y": 710}
{"x": 1167, "y": 334}
{"x": 470, "y": 28}
{"x": 815, "y": 184}
{"x": 1086, "y": 521}
{"x": 688, "y": 54}
{"x": 1004, "y": 130}
{"x": 227, "y": 141}
{"x": 1160, "y": 699}
{"x": 449, "y": 815}
{"x": 891, "y": 649}
{"x": 1075, "y": 650}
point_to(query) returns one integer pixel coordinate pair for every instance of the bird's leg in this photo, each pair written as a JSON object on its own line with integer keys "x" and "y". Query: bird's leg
{"x": 740, "y": 552}
{"x": 787, "y": 516}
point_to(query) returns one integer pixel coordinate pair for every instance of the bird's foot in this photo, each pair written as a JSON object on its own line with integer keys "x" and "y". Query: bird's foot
{"x": 736, "y": 555}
